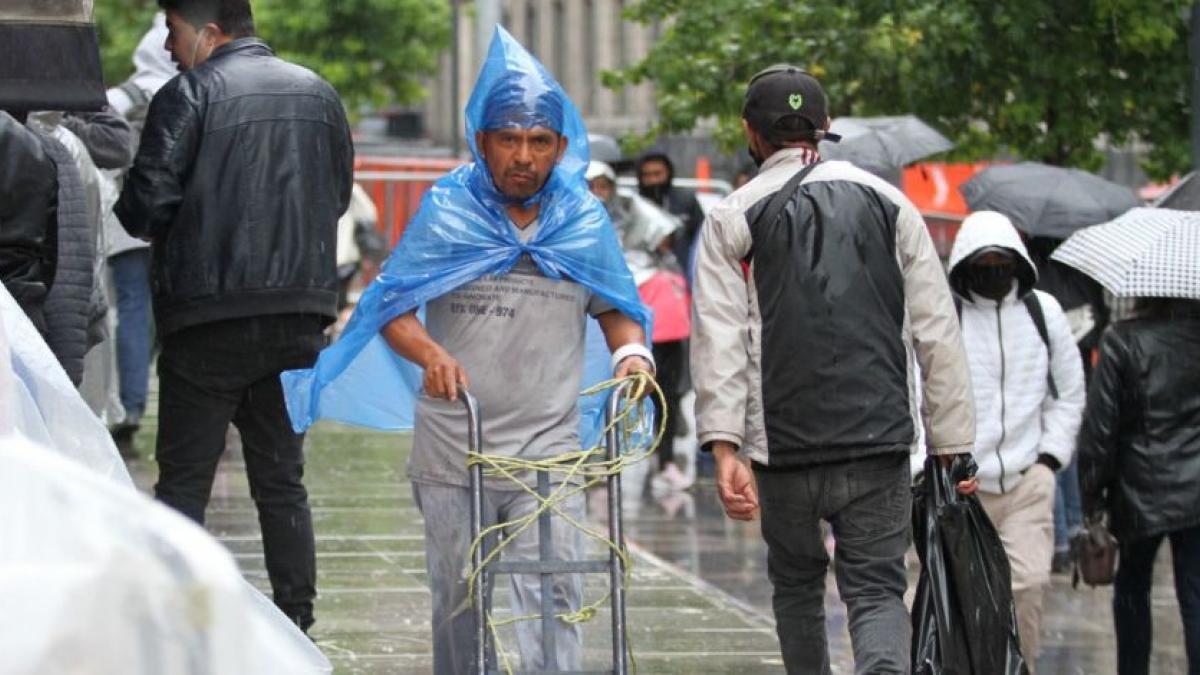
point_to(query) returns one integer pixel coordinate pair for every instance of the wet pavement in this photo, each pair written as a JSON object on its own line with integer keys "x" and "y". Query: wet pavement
{"x": 699, "y": 601}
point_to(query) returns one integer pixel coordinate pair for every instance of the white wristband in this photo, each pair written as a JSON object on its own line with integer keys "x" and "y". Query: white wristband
{"x": 632, "y": 349}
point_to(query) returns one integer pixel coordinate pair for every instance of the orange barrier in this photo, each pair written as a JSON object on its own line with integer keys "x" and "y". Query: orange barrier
{"x": 396, "y": 185}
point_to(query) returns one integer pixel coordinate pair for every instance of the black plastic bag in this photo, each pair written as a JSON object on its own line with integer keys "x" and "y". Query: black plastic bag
{"x": 964, "y": 621}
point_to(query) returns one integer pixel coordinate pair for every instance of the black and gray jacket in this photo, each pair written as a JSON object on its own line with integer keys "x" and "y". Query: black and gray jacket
{"x": 244, "y": 168}
{"x": 75, "y": 299}
{"x": 806, "y": 328}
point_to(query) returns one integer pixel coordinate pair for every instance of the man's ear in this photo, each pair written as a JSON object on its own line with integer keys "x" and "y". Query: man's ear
{"x": 212, "y": 31}
{"x": 563, "y": 143}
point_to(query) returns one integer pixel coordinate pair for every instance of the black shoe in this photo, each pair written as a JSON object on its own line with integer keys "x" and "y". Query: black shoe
{"x": 1061, "y": 562}
{"x": 123, "y": 437}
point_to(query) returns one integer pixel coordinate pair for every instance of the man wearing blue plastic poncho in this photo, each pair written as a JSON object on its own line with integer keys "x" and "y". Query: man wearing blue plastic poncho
{"x": 509, "y": 255}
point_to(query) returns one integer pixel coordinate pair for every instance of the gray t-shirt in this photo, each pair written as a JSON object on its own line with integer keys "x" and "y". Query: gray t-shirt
{"x": 520, "y": 339}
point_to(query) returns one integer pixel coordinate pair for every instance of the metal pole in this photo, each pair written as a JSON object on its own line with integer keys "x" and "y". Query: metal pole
{"x": 1194, "y": 48}
{"x": 615, "y": 533}
{"x": 455, "y": 63}
{"x": 474, "y": 444}
{"x": 546, "y": 554}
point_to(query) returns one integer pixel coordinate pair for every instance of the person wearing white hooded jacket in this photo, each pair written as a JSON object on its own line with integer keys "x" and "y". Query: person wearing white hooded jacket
{"x": 1029, "y": 399}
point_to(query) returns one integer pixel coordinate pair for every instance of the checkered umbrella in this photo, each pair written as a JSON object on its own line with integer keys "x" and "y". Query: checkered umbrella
{"x": 1152, "y": 253}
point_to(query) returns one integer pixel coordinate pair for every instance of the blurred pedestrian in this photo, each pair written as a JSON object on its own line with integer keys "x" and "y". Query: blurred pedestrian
{"x": 646, "y": 241}
{"x": 816, "y": 285}
{"x": 1029, "y": 394}
{"x": 1139, "y": 464}
{"x": 1083, "y": 303}
{"x": 244, "y": 167}
{"x": 75, "y": 306}
{"x": 128, "y": 256}
{"x": 29, "y": 183}
{"x": 656, "y": 178}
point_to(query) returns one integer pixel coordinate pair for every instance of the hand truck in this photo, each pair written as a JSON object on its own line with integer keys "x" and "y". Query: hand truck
{"x": 546, "y": 566}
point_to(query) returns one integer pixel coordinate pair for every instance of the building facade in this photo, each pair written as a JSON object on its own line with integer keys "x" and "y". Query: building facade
{"x": 576, "y": 40}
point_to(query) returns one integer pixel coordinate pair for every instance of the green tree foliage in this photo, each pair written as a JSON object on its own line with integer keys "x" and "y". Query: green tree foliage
{"x": 1045, "y": 79}
{"x": 374, "y": 52}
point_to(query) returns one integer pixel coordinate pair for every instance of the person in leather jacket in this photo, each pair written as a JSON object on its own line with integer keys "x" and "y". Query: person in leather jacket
{"x": 1139, "y": 462}
{"x": 244, "y": 167}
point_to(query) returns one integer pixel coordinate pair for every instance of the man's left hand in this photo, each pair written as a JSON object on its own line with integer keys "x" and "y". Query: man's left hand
{"x": 634, "y": 364}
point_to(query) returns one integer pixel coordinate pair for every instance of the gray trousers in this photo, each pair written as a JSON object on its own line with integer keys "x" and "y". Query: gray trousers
{"x": 868, "y": 504}
{"x": 447, "y": 513}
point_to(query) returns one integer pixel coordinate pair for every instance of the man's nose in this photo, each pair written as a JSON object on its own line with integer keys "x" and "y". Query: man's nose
{"x": 524, "y": 152}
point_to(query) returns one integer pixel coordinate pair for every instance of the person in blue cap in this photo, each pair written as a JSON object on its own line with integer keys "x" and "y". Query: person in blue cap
{"x": 509, "y": 256}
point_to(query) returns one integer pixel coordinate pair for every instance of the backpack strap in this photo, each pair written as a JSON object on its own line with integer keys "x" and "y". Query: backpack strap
{"x": 1034, "y": 307}
{"x": 779, "y": 201}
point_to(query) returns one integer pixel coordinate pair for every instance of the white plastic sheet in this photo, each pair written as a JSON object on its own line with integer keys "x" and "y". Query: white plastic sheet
{"x": 96, "y": 578}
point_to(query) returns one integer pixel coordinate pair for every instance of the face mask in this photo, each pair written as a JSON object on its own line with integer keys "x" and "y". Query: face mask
{"x": 991, "y": 281}
{"x": 758, "y": 161}
{"x": 655, "y": 193}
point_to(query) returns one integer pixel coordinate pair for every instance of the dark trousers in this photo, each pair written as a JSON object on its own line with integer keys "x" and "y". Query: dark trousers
{"x": 670, "y": 360}
{"x": 228, "y": 371}
{"x": 1131, "y": 598}
{"x": 868, "y": 504}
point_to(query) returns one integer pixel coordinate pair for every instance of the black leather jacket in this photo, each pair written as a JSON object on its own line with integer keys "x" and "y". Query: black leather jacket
{"x": 244, "y": 167}
{"x": 1139, "y": 447}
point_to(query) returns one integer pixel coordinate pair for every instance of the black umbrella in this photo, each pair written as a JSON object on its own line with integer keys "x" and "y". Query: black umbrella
{"x": 1184, "y": 196}
{"x": 1047, "y": 201}
{"x": 883, "y": 145}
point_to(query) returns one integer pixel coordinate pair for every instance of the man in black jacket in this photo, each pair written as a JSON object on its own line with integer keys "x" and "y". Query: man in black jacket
{"x": 245, "y": 165}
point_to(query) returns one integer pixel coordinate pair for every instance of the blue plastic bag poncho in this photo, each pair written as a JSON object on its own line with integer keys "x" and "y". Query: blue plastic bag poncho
{"x": 462, "y": 232}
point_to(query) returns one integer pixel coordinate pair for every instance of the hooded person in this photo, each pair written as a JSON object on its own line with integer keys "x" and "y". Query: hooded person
{"x": 509, "y": 255}
{"x": 1029, "y": 395}
{"x": 656, "y": 177}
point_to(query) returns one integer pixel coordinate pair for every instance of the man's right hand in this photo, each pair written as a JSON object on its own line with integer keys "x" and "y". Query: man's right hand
{"x": 443, "y": 377}
{"x": 735, "y": 483}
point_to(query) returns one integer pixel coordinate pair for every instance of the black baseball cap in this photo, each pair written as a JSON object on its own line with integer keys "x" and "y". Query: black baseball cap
{"x": 786, "y": 105}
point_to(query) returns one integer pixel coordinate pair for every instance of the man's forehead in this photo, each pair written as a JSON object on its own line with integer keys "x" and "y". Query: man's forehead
{"x": 521, "y": 131}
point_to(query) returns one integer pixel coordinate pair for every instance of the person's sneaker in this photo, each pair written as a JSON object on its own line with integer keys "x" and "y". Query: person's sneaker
{"x": 1061, "y": 562}
{"x": 671, "y": 479}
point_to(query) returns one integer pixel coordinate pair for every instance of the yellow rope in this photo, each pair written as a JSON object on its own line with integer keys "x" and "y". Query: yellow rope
{"x": 590, "y": 467}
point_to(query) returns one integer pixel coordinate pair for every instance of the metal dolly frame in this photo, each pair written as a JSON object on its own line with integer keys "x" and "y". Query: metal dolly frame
{"x": 546, "y": 566}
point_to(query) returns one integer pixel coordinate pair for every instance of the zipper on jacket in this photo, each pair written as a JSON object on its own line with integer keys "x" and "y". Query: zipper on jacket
{"x": 1000, "y": 445}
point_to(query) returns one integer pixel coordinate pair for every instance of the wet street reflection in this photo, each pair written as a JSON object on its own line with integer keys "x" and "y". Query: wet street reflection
{"x": 700, "y": 601}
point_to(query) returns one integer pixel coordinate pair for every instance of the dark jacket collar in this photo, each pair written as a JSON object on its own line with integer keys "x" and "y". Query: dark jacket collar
{"x": 246, "y": 45}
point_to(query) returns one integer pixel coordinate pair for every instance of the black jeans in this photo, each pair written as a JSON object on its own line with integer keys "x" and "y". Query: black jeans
{"x": 1131, "y": 598}
{"x": 670, "y": 360}
{"x": 228, "y": 371}
{"x": 868, "y": 503}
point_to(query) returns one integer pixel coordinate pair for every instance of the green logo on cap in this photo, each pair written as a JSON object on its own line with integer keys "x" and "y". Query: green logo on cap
{"x": 795, "y": 100}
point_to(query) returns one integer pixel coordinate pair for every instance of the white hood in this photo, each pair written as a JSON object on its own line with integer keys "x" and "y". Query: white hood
{"x": 152, "y": 60}
{"x": 984, "y": 229}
